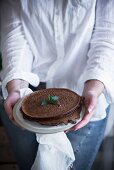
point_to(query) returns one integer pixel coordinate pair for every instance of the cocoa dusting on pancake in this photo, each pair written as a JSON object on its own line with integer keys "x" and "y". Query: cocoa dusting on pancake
{"x": 68, "y": 109}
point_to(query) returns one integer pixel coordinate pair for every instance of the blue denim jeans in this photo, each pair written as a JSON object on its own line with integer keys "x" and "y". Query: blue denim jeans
{"x": 85, "y": 142}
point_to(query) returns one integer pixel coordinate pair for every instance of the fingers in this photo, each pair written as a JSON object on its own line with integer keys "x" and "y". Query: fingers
{"x": 87, "y": 117}
{"x": 85, "y": 120}
{"x": 81, "y": 124}
{"x": 9, "y": 104}
{"x": 88, "y": 111}
{"x": 8, "y": 108}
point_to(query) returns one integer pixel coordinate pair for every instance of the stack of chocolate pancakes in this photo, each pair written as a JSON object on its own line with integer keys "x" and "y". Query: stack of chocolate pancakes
{"x": 66, "y": 108}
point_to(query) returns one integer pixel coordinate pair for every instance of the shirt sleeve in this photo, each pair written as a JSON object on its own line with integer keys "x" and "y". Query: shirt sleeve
{"x": 100, "y": 63}
{"x": 16, "y": 54}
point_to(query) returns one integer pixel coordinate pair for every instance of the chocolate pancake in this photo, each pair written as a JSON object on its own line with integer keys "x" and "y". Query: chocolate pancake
{"x": 66, "y": 109}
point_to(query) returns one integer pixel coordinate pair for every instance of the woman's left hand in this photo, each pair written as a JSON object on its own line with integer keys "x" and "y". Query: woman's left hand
{"x": 91, "y": 92}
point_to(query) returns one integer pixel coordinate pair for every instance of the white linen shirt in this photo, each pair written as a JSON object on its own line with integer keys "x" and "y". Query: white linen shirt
{"x": 63, "y": 43}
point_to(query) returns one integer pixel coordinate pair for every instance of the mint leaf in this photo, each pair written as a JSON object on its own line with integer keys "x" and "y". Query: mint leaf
{"x": 44, "y": 102}
{"x": 53, "y": 99}
{"x": 50, "y": 100}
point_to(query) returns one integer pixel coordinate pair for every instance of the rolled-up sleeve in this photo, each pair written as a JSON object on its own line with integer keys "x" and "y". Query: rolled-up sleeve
{"x": 16, "y": 53}
{"x": 100, "y": 64}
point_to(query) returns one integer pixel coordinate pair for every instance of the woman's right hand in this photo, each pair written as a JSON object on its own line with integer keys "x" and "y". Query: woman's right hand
{"x": 9, "y": 103}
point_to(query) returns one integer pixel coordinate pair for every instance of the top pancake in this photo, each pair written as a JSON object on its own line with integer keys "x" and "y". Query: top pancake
{"x": 68, "y": 101}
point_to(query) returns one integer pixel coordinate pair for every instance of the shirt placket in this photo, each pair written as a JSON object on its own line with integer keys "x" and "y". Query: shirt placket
{"x": 59, "y": 38}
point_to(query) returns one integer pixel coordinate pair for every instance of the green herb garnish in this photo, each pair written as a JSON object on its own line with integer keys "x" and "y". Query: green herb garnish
{"x": 50, "y": 100}
{"x": 44, "y": 102}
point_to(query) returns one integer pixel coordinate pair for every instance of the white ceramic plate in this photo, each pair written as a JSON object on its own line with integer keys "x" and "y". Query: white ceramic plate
{"x": 35, "y": 126}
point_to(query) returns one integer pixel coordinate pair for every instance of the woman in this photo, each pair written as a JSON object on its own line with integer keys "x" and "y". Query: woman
{"x": 65, "y": 44}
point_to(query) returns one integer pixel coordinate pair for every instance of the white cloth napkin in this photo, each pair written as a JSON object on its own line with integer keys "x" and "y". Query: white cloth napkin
{"x": 54, "y": 152}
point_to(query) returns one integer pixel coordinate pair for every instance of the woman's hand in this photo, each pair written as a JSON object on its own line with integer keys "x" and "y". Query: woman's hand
{"x": 9, "y": 103}
{"x": 91, "y": 92}
{"x": 13, "y": 88}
